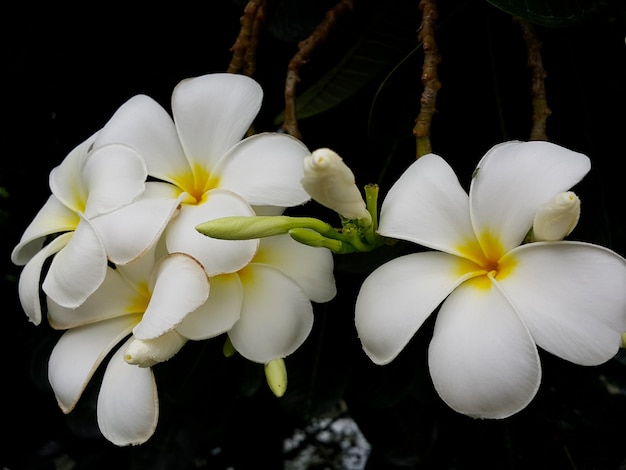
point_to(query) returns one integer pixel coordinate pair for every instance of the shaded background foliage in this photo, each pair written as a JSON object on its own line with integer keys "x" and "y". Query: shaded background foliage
{"x": 67, "y": 70}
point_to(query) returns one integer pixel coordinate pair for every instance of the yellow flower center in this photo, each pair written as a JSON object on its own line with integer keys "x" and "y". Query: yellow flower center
{"x": 487, "y": 260}
{"x": 197, "y": 183}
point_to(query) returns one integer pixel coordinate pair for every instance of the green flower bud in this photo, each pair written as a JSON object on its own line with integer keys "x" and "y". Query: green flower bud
{"x": 276, "y": 375}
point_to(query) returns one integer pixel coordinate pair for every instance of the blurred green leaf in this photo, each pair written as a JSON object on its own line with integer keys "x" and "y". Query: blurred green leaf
{"x": 553, "y": 13}
{"x": 389, "y": 33}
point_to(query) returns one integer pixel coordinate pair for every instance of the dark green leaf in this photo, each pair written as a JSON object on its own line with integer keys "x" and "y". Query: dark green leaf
{"x": 553, "y": 13}
{"x": 391, "y": 32}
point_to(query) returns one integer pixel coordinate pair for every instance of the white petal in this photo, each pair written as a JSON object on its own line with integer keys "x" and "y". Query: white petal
{"x": 310, "y": 267}
{"x": 52, "y": 218}
{"x": 78, "y": 353}
{"x": 398, "y": 296}
{"x": 144, "y": 125}
{"x": 572, "y": 297}
{"x": 114, "y": 176}
{"x": 482, "y": 359}
{"x": 130, "y": 231}
{"x": 128, "y": 404}
{"x": 219, "y": 313}
{"x": 217, "y": 256}
{"x": 212, "y": 113}
{"x": 276, "y": 316}
{"x": 513, "y": 180}
{"x": 66, "y": 180}
{"x": 78, "y": 269}
{"x": 30, "y": 277}
{"x": 115, "y": 297}
{"x": 266, "y": 169}
{"x": 428, "y": 206}
{"x": 180, "y": 286}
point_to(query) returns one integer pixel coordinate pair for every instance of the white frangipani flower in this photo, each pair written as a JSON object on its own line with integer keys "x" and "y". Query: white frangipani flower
{"x": 499, "y": 299}
{"x": 88, "y": 187}
{"x": 331, "y": 182}
{"x": 146, "y": 298}
{"x": 200, "y": 156}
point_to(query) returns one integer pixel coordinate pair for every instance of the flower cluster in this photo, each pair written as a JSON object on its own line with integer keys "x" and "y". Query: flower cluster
{"x": 124, "y": 270}
{"x": 160, "y": 230}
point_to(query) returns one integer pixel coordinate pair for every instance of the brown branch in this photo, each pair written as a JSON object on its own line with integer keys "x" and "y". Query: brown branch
{"x": 541, "y": 111}
{"x": 305, "y": 49}
{"x": 244, "y": 48}
{"x": 430, "y": 78}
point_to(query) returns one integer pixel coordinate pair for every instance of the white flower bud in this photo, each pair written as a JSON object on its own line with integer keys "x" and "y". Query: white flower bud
{"x": 329, "y": 181}
{"x": 148, "y": 352}
{"x": 556, "y": 218}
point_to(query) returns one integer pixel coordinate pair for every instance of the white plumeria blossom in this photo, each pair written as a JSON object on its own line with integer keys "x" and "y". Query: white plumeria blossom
{"x": 88, "y": 187}
{"x": 146, "y": 298}
{"x": 200, "y": 156}
{"x": 500, "y": 299}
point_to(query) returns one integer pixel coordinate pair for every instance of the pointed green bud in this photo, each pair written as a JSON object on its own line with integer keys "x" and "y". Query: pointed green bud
{"x": 276, "y": 375}
{"x": 228, "y": 349}
{"x": 247, "y": 228}
{"x": 311, "y": 238}
{"x": 329, "y": 181}
{"x": 556, "y": 218}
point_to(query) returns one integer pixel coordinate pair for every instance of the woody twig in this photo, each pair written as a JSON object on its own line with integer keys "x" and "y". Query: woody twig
{"x": 541, "y": 111}
{"x": 305, "y": 49}
{"x": 430, "y": 78}
{"x": 244, "y": 48}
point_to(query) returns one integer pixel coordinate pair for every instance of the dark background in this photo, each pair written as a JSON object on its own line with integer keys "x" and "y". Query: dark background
{"x": 65, "y": 72}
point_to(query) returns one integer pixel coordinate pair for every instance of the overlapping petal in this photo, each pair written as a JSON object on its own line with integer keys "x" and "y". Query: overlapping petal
{"x": 572, "y": 297}
{"x": 114, "y": 176}
{"x": 428, "y": 206}
{"x": 127, "y": 418}
{"x": 482, "y": 359}
{"x": 276, "y": 315}
{"x": 115, "y": 297}
{"x": 217, "y": 256}
{"x": 144, "y": 125}
{"x": 212, "y": 113}
{"x": 132, "y": 230}
{"x": 515, "y": 178}
{"x": 219, "y": 313}
{"x": 266, "y": 169}
{"x": 52, "y": 218}
{"x": 65, "y": 179}
{"x": 310, "y": 267}
{"x": 30, "y": 277}
{"x": 78, "y": 269}
{"x": 180, "y": 286}
{"x": 397, "y": 297}
{"x": 78, "y": 353}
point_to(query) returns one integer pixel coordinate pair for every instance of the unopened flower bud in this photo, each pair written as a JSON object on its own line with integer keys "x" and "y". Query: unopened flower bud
{"x": 556, "y": 218}
{"x": 148, "y": 352}
{"x": 276, "y": 375}
{"x": 329, "y": 181}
